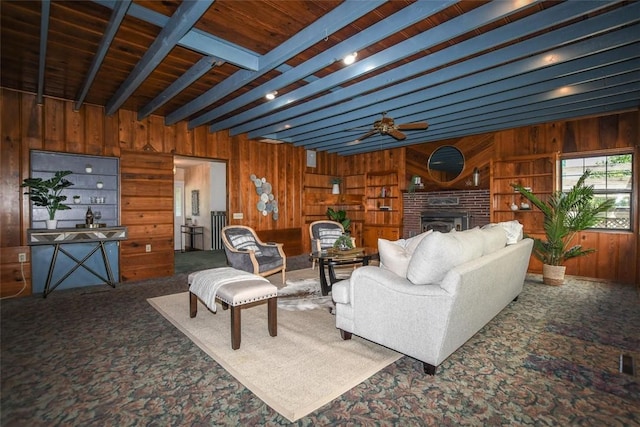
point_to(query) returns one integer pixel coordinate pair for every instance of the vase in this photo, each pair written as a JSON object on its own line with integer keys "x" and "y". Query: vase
{"x": 52, "y": 224}
{"x": 335, "y": 189}
{"x": 553, "y": 274}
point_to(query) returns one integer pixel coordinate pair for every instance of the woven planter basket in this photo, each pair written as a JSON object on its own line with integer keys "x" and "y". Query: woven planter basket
{"x": 553, "y": 274}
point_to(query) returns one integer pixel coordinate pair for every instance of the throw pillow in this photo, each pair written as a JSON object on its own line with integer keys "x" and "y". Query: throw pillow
{"x": 435, "y": 256}
{"x": 244, "y": 242}
{"x": 494, "y": 238}
{"x": 395, "y": 255}
{"x": 513, "y": 230}
{"x": 328, "y": 236}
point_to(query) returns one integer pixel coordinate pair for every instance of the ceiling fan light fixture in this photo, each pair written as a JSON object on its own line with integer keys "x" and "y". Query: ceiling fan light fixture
{"x": 350, "y": 58}
{"x": 271, "y": 95}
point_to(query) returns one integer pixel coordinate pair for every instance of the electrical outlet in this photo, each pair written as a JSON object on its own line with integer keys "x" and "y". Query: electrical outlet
{"x": 238, "y": 215}
{"x": 148, "y": 248}
{"x": 22, "y": 257}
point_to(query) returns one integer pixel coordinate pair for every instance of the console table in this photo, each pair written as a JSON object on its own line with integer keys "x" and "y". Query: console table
{"x": 193, "y": 231}
{"x": 78, "y": 245}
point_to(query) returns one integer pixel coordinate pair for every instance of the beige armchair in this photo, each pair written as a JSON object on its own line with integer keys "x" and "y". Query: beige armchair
{"x": 245, "y": 251}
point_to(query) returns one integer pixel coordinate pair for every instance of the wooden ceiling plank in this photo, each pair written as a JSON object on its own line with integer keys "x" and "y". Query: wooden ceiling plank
{"x": 194, "y": 73}
{"x": 44, "y": 30}
{"x": 179, "y": 24}
{"x": 117, "y": 16}
{"x": 248, "y": 120}
{"x": 447, "y": 86}
{"x": 195, "y": 39}
{"x": 380, "y": 30}
{"x": 327, "y": 24}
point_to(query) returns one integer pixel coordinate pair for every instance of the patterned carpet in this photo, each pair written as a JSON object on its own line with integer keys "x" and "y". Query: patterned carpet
{"x": 104, "y": 356}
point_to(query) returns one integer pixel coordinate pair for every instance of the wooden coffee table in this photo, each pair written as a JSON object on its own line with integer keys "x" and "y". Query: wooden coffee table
{"x": 331, "y": 258}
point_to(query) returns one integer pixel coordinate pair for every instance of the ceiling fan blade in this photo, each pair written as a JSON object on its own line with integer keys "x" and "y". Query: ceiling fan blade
{"x": 413, "y": 126}
{"x": 396, "y": 134}
{"x": 368, "y": 134}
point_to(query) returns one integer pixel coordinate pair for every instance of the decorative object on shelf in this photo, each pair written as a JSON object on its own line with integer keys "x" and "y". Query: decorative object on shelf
{"x": 47, "y": 193}
{"x": 267, "y": 203}
{"x": 476, "y": 177}
{"x": 76, "y": 199}
{"x": 343, "y": 242}
{"x": 513, "y": 206}
{"x": 565, "y": 214}
{"x": 341, "y": 217}
{"x": 99, "y": 184}
{"x": 195, "y": 202}
{"x": 88, "y": 218}
{"x": 88, "y": 168}
{"x": 415, "y": 183}
{"x": 335, "y": 185}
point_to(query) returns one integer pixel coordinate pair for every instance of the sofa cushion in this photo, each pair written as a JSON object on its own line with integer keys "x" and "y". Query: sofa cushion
{"x": 439, "y": 252}
{"x": 395, "y": 255}
{"x": 494, "y": 238}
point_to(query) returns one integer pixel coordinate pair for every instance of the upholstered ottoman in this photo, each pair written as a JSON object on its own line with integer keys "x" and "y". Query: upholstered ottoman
{"x": 233, "y": 288}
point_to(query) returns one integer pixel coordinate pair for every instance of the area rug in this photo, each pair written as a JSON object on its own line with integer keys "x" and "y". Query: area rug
{"x": 303, "y": 294}
{"x": 306, "y": 366}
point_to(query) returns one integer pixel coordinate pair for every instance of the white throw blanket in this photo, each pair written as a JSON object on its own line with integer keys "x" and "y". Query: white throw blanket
{"x": 205, "y": 283}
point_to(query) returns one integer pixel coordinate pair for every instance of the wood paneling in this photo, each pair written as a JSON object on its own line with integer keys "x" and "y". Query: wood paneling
{"x": 146, "y": 187}
{"x": 146, "y": 147}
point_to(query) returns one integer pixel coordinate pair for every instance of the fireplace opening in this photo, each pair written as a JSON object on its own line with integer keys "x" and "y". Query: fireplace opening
{"x": 444, "y": 221}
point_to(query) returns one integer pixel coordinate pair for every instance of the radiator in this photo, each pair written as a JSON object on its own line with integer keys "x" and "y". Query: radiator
{"x": 218, "y": 221}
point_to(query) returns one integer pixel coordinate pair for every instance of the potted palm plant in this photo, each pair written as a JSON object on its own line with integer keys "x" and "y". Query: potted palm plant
{"x": 47, "y": 193}
{"x": 565, "y": 214}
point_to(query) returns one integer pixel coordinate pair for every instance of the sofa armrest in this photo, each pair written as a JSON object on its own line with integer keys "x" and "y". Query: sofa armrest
{"x": 367, "y": 278}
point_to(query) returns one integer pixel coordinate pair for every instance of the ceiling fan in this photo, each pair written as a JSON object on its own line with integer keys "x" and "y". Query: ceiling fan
{"x": 387, "y": 126}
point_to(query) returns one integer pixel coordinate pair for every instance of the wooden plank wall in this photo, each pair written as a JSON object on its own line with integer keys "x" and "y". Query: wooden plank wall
{"x": 146, "y": 150}
{"x": 146, "y": 147}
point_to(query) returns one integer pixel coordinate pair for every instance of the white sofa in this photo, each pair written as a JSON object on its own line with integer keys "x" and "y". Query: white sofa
{"x": 433, "y": 292}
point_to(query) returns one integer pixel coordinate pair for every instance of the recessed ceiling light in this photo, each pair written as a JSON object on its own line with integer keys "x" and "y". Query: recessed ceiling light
{"x": 271, "y": 95}
{"x": 350, "y": 59}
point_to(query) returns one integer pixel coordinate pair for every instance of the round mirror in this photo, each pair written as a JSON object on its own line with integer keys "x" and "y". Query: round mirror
{"x": 445, "y": 163}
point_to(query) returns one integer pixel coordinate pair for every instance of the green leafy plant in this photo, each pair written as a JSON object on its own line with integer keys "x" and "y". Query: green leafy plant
{"x": 343, "y": 242}
{"x": 336, "y": 180}
{"x": 341, "y": 217}
{"x": 565, "y": 214}
{"x": 47, "y": 193}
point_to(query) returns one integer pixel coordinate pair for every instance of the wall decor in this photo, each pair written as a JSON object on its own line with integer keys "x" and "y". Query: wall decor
{"x": 267, "y": 204}
{"x": 195, "y": 202}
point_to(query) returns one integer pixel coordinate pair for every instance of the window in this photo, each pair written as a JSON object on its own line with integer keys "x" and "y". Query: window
{"x": 611, "y": 177}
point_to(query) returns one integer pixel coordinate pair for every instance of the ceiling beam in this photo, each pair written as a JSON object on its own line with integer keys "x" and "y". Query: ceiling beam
{"x": 511, "y": 91}
{"x": 44, "y": 30}
{"x": 195, "y": 39}
{"x": 336, "y": 19}
{"x": 185, "y": 17}
{"x": 446, "y": 31}
{"x": 363, "y": 94}
{"x": 589, "y": 86}
{"x": 117, "y": 15}
{"x": 194, "y": 73}
{"x": 436, "y": 86}
{"x": 371, "y": 35}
